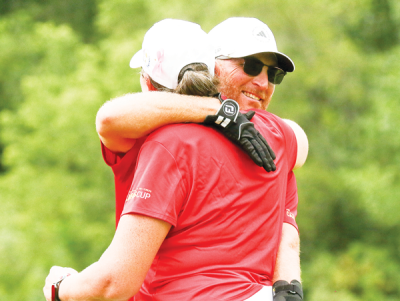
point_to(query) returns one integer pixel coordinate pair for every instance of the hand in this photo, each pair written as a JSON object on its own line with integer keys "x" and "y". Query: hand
{"x": 238, "y": 128}
{"x": 283, "y": 291}
{"x": 56, "y": 273}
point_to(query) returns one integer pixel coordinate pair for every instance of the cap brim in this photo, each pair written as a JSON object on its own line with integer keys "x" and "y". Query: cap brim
{"x": 136, "y": 60}
{"x": 284, "y": 62}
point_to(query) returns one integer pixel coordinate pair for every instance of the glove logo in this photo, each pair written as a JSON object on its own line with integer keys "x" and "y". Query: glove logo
{"x": 229, "y": 110}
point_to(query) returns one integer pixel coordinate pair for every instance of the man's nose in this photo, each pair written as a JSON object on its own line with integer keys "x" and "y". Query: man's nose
{"x": 261, "y": 80}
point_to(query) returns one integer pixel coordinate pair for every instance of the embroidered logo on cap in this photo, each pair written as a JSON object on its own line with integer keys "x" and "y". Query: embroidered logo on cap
{"x": 158, "y": 62}
{"x": 261, "y": 34}
{"x": 146, "y": 58}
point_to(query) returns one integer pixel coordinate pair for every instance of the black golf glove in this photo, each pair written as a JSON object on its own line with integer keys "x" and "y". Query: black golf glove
{"x": 238, "y": 128}
{"x": 284, "y": 291}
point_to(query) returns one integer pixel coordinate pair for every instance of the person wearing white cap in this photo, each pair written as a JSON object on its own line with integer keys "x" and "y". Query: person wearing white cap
{"x": 246, "y": 79}
{"x": 168, "y": 48}
{"x": 201, "y": 221}
{"x": 168, "y": 51}
{"x": 249, "y": 66}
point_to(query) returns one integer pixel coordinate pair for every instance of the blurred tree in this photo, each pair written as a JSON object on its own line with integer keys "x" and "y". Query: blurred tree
{"x": 79, "y": 14}
{"x": 57, "y": 194}
{"x": 373, "y": 26}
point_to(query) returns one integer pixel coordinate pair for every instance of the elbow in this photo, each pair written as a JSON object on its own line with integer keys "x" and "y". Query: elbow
{"x": 294, "y": 243}
{"x": 104, "y": 122}
{"x": 117, "y": 290}
{"x": 290, "y": 237}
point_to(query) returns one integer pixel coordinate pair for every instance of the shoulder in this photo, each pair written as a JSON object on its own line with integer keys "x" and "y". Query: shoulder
{"x": 185, "y": 137}
{"x": 179, "y": 131}
{"x": 287, "y": 128}
{"x": 268, "y": 118}
{"x": 263, "y": 119}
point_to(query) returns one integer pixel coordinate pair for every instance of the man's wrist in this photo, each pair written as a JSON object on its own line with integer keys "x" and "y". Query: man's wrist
{"x": 226, "y": 114}
{"x": 282, "y": 287}
{"x": 220, "y": 97}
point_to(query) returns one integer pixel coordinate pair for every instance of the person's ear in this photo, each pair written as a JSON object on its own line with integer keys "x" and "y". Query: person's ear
{"x": 149, "y": 84}
{"x": 145, "y": 83}
{"x": 217, "y": 68}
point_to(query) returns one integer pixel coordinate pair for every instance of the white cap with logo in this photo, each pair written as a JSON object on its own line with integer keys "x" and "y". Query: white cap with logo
{"x": 170, "y": 45}
{"x": 240, "y": 37}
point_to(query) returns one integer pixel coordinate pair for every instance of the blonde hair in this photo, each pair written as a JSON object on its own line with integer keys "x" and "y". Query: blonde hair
{"x": 194, "y": 79}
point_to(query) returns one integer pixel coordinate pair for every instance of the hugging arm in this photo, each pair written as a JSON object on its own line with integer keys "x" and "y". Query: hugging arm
{"x": 287, "y": 285}
{"x": 121, "y": 121}
{"x": 287, "y": 274}
{"x": 288, "y": 259}
{"x": 121, "y": 270}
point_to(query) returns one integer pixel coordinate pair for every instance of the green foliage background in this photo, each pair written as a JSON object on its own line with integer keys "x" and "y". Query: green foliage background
{"x": 61, "y": 60}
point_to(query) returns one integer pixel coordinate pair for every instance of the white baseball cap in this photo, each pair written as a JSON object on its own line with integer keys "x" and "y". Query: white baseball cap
{"x": 170, "y": 45}
{"x": 240, "y": 36}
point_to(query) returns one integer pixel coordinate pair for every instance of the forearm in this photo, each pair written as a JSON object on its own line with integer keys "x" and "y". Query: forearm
{"x": 121, "y": 270}
{"x": 93, "y": 283}
{"x": 80, "y": 286}
{"x": 288, "y": 259}
{"x": 133, "y": 116}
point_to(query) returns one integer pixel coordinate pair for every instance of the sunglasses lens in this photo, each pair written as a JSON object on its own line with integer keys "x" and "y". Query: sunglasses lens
{"x": 275, "y": 75}
{"x": 252, "y": 67}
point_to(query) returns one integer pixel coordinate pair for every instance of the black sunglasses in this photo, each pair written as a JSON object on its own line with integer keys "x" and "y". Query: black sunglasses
{"x": 253, "y": 67}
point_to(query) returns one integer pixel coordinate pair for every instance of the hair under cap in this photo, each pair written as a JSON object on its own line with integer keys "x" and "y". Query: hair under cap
{"x": 240, "y": 36}
{"x": 170, "y": 45}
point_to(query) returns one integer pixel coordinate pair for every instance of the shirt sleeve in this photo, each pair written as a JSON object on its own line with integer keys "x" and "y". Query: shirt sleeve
{"x": 111, "y": 158}
{"x": 292, "y": 198}
{"x": 158, "y": 188}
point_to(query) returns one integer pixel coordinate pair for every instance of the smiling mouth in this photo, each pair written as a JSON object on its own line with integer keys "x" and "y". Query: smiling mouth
{"x": 252, "y": 96}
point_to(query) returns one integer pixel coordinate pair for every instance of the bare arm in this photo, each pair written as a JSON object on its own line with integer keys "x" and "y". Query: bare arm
{"x": 288, "y": 260}
{"x": 122, "y": 120}
{"x": 122, "y": 268}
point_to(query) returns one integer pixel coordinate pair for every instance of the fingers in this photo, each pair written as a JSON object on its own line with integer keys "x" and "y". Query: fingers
{"x": 271, "y": 152}
{"x": 258, "y": 153}
{"x": 47, "y": 290}
{"x": 258, "y": 149}
{"x": 268, "y": 156}
{"x": 249, "y": 148}
{"x": 56, "y": 269}
{"x": 264, "y": 154}
{"x": 70, "y": 271}
{"x": 261, "y": 154}
{"x": 55, "y": 274}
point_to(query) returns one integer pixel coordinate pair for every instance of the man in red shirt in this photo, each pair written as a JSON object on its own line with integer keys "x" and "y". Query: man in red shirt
{"x": 243, "y": 46}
